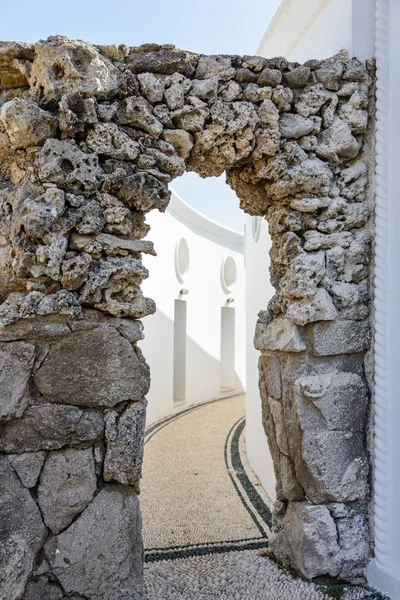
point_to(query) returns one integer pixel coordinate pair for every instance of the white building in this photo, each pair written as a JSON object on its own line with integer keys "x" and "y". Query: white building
{"x": 198, "y": 283}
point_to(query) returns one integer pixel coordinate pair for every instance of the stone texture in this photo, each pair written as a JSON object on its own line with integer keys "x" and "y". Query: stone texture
{"x": 22, "y": 533}
{"x": 319, "y": 308}
{"x": 353, "y": 535}
{"x": 181, "y": 140}
{"x": 312, "y": 540}
{"x": 96, "y": 561}
{"x": 280, "y": 334}
{"x": 62, "y": 66}
{"x": 303, "y": 275}
{"x": 340, "y": 337}
{"x": 332, "y": 466}
{"x": 337, "y": 142}
{"x": 67, "y": 485}
{"x": 124, "y": 438}
{"x": 108, "y": 139}
{"x": 297, "y": 77}
{"x": 63, "y": 163}
{"x": 104, "y": 370}
{"x": 43, "y": 588}
{"x": 26, "y": 123}
{"x": 294, "y": 126}
{"x": 16, "y": 362}
{"x": 50, "y": 427}
{"x": 269, "y": 364}
{"x": 27, "y": 466}
{"x": 337, "y": 401}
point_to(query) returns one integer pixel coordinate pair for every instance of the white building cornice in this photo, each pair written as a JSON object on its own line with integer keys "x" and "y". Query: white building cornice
{"x": 196, "y": 220}
{"x": 291, "y": 22}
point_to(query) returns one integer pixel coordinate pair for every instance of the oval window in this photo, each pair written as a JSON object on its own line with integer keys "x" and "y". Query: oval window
{"x": 228, "y": 274}
{"x": 181, "y": 259}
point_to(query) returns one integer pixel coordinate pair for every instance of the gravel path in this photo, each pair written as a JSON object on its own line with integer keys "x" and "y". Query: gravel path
{"x": 206, "y": 516}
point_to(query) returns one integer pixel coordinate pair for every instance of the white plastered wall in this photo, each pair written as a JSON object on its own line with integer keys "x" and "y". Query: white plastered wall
{"x": 258, "y": 293}
{"x": 302, "y": 30}
{"x": 209, "y": 244}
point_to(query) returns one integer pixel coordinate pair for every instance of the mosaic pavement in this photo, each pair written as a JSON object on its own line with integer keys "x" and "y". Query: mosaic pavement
{"x": 206, "y": 516}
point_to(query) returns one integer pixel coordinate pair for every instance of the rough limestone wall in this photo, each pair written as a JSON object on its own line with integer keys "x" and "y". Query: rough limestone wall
{"x": 90, "y": 137}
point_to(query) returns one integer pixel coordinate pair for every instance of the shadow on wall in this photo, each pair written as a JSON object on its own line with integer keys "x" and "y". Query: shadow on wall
{"x": 199, "y": 371}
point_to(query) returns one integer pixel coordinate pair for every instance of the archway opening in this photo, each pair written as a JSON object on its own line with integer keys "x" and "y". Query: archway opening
{"x": 294, "y": 143}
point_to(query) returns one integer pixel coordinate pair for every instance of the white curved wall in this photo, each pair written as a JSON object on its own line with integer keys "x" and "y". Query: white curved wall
{"x": 209, "y": 244}
{"x": 258, "y": 293}
{"x": 302, "y": 30}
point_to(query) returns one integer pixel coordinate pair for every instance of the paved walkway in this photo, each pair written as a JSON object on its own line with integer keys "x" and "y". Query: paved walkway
{"x": 206, "y": 516}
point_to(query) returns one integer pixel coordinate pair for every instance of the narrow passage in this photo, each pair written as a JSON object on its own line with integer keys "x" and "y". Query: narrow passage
{"x": 206, "y": 518}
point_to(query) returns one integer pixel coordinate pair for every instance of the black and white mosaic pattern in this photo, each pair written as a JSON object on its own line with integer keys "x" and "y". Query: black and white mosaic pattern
{"x": 206, "y": 516}
{"x": 220, "y": 506}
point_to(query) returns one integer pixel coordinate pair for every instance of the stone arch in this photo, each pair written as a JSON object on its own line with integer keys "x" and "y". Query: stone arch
{"x": 90, "y": 137}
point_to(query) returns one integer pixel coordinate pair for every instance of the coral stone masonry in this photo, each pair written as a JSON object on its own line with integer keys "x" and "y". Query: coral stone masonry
{"x": 90, "y": 138}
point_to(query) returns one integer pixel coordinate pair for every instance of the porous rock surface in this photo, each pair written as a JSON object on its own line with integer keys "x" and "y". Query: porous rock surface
{"x": 90, "y": 138}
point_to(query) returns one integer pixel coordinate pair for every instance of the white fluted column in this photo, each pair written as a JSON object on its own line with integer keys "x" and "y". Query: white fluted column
{"x": 384, "y": 571}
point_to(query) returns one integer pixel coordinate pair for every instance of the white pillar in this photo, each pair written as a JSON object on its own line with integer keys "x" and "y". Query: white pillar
{"x": 384, "y": 572}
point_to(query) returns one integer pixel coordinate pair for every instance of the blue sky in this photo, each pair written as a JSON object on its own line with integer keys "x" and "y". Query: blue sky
{"x": 207, "y": 26}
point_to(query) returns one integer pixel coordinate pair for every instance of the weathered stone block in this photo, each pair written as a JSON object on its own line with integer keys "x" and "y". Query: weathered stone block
{"x": 137, "y": 112}
{"x": 27, "y": 466}
{"x": 45, "y": 588}
{"x": 353, "y": 537}
{"x": 108, "y": 139}
{"x": 103, "y": 370}
{"x": 337, "y": 142}
{"x": 276, "y": 409}
{"x": 303, "y": 275}
{"x": 62, "y": 66}
{"x": 297, "y": 77}
{"x": 16, "y": 362}
{"x": 311, "y": 537}
{"x": 340, "y": 337}
{"x": 27, "y": 124}
{"x": 67, "y": 485}
{"x": 63, "y": 163}
{"x": 290, "y": 488}
{"x": 41, "y": 328}
{"x": 279, "y": 334}
{"x": 337, "y": 401}
{"x": 152, "y": 87}
{"x": 42, "y": 588}
{"x": 100, "y": 562}
{"x": 211, "y": 66}
{"x": 271, "y": 368}
{"x": 318, "y": 308}
{"x": 315, "y": 240}
{"x": 294, "y": 126}
{"x": 125, "y": 438}
{"x": 181, "y": 140}
{"x": 332, "y": 466}
{"x": 22, "y": 533}
{"x": 272, "y": 77}
{"x": 166, "y": 60}
{"x": 50, "y": 427}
